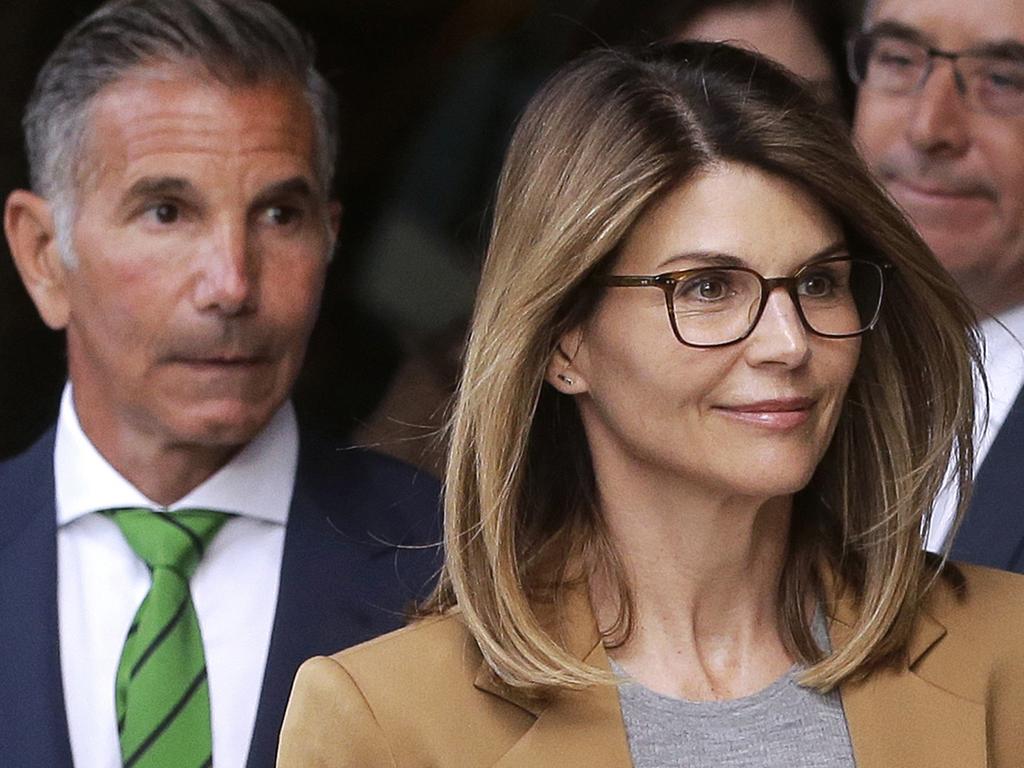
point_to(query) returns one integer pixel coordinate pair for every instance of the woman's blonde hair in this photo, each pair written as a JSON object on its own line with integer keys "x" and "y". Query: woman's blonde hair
{"x": 598, "y": 145}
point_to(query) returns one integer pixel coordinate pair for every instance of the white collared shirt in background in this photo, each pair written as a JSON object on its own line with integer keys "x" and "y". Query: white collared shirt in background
{"x": 101, "y": 582}
{"x": 1004, "y": 368}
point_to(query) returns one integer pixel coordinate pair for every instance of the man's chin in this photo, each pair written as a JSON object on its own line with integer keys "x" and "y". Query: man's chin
{"x": 222, "y": 425}
{"x": 967, "y": 267}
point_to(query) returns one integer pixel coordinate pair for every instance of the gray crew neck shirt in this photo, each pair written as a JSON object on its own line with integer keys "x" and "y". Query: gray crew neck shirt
{"x": 782, "y": 726}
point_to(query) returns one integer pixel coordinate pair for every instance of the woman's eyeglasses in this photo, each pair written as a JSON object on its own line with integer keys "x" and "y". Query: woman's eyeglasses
{"x": 837, "y": 297}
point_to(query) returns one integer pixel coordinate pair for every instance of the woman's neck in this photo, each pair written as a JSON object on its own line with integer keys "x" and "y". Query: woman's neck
{"x": 704, "y": 573}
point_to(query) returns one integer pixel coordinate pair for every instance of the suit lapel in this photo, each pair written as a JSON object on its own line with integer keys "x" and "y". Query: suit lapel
{"x": 292, "y": 627}
{"x": 897, "y": 718}
{"x": 33, "y": 722}
{"x": 342, "y": 580}
{"x": 993, "y": 531}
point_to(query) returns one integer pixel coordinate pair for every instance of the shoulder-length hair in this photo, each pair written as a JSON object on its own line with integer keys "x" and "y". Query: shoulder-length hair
{"x": 606, "y": 138}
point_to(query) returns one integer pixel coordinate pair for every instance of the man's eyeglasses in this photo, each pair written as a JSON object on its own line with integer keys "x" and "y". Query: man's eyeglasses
{"x": 989, "y": 80}
{"x": 837, "y": 297}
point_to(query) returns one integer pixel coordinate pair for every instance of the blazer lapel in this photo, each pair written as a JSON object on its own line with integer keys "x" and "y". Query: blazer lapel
{"x": 577, "y": 729}
{"x": 897, "y": 718}
{"x": 993, "y": 531}
{"x": 574, "y": 729}
{"x": 33, "y": 722}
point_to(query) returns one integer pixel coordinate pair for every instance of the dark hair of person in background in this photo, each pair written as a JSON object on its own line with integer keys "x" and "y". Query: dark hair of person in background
{"x": 632, "y": 22}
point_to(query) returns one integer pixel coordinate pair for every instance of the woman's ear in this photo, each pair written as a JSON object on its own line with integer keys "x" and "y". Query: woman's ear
{"x": 564, "y": 370}
{"x": 32, "y": 237}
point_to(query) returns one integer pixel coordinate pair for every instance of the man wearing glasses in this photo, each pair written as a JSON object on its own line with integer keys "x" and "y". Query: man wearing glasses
{"x": 940, "y": 118}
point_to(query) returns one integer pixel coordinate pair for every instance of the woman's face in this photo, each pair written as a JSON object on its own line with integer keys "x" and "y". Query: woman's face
{"x": 750, "y": 419}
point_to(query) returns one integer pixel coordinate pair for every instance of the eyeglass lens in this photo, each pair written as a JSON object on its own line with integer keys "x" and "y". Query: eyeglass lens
{"x": 838, "y": 297}
{"x": 896, "y": 65}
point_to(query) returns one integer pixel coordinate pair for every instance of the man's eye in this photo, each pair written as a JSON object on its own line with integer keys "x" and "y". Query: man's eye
{"x": 282, "y": 215}
{"x": 896, "y": 55}
{"x": 893, "y": 60}
{"x": 166, "y": 213}
{"x": 1005, "y": 78}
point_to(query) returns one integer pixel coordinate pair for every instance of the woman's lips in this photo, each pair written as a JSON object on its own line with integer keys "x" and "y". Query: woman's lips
{"x": 770, "y": 414}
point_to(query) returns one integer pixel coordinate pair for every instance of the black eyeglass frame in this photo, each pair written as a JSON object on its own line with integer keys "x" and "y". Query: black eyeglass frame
{"x": 667, "y": 282}
{"x": 857, "y": 39}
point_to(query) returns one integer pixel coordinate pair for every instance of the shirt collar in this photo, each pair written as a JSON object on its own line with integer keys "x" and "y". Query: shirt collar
{"x": 1003, "y": 333}
{"x": 1004, "y": 362}
{"x": 256, "y": 483}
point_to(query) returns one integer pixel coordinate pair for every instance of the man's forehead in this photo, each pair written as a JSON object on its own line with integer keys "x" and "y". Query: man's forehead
{"x": 154, "y": 113}
{"x": 954, "y": 24}
{"x": 185, "y": 92}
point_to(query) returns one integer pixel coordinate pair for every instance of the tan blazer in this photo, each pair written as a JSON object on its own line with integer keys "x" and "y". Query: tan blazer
{"x": 423, "y": 696}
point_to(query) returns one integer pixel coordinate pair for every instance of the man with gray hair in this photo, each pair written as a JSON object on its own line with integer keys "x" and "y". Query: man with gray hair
{"x": 174, "y": 548}
{"x": 940, "y": 119}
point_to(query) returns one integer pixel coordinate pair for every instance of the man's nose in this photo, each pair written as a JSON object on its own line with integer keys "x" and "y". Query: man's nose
{"x": 938, "y": 119}
{"x": 780, "y": 336}
{"x": 228, "y": 272}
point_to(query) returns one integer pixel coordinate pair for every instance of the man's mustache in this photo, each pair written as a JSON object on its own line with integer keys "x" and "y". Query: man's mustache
{"x": 935, "y": 174}
{"x": 227, "y": 340}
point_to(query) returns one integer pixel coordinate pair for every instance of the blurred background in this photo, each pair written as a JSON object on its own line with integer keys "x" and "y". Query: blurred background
{"x": 430, "y": 92}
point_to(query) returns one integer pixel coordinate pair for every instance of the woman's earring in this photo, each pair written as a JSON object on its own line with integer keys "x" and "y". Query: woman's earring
{"x": 565, "y": 378}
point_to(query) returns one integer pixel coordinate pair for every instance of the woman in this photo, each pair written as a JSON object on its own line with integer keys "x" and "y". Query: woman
{"x": 712, "y": 386}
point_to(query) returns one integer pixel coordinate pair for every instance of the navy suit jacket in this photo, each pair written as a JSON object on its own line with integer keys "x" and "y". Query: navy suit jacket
{"x": 361, "y": 544}
{"x": 993, "y": 531}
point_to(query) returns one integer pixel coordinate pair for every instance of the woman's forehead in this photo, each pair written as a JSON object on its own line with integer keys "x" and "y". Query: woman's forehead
{"x": 732, "y": 211}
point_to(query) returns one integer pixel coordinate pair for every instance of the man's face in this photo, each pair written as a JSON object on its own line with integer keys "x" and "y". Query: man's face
{"x": 201, "y": 238}
{"x": 958, "y": 172}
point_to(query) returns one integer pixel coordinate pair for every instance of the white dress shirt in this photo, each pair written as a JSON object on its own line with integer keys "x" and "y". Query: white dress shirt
{"x": 101, "y": 583}
{"x": 1004, "y": 368}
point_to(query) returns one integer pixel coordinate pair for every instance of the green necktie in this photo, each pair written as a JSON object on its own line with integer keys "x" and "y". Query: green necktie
{"x": 163, "y": 700}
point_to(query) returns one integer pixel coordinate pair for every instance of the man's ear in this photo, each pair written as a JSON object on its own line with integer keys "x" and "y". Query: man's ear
{"x": 32, "y": 237}
{"x": 334, "y": 211}
{"x": 565, "y": 372}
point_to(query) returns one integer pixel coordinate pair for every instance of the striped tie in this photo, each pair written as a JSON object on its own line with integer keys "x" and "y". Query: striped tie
{"x": 163, "y": 701}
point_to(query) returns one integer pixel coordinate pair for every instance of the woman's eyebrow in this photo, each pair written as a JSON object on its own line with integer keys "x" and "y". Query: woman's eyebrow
{"x": 721, "y": 259}
{"x": 705, "y": 258}
{"x": 839, "y": 246}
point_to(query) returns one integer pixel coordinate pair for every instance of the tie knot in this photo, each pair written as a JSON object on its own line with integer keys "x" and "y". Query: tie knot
{"x": 174, "y": 540}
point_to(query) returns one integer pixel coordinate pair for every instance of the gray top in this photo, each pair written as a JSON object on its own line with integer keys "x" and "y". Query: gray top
{"x": 782, "y": 726}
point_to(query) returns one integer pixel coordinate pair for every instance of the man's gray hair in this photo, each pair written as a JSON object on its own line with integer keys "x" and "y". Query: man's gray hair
{"x": 237, "y": 42}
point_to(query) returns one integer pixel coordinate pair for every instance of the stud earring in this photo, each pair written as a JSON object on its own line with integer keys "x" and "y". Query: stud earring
{"x": 565, "y": 378}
